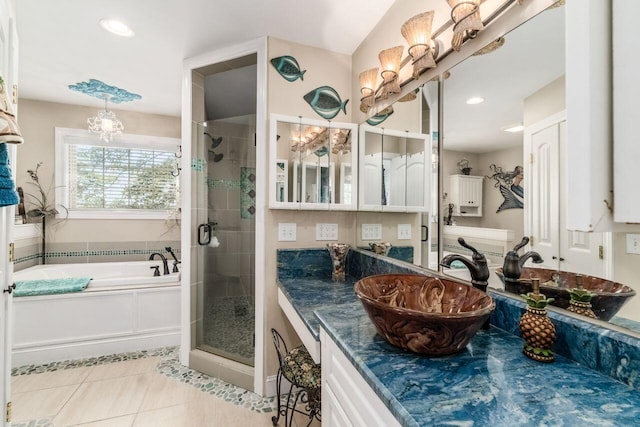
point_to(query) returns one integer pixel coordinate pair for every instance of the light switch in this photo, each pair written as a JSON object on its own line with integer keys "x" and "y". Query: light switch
{"x": 404, "y": 231}
{"x": 371, "y": 231}
{"x": 633, "y": 243}
{"x": 286, "y": 231}
{"x": 326, "y": 231}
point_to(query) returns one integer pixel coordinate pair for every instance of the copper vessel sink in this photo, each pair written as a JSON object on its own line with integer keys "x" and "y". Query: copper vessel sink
{"x": 423, "y": 314}
{"x": 608, "y": 299}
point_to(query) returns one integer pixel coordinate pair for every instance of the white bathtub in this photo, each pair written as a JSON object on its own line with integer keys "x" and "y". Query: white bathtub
{"x": 124, "y": 308}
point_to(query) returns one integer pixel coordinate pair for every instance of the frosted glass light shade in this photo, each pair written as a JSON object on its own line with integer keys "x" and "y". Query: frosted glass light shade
{"x": 368, "y": 80}
{"x": 417, "y": 32}
{"x": 390, "y": 61}
{"x": 466, "y": 17}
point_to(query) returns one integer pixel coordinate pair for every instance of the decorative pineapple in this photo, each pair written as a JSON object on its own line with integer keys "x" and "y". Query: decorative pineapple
{"x": 536, "y": 328}
{"x": 581, "y": 300}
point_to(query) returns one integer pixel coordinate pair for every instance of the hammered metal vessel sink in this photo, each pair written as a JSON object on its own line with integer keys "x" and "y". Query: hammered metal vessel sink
{"x": 426, "y": 315}
{"x": 608, "y": 299}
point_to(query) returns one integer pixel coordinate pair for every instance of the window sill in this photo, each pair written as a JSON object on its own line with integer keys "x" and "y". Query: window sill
{"x": 116, "y": 214}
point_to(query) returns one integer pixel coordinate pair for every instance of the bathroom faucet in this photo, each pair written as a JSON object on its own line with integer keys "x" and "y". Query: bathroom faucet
{"x": 165, "y": 265}
{"x": 512, "y": 267}
{"x": 477, "y": 267}
{"x": 175, "y": 259}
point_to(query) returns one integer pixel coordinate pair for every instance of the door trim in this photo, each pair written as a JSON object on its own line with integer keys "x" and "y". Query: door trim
{"x": 258, "y": 47}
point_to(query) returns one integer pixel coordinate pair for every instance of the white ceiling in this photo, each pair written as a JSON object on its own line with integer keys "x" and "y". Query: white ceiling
{"x": 532, "y": 57}
{"x": 61, "y": 42}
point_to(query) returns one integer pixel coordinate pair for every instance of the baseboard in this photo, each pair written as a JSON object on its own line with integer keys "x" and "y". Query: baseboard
{"x": 80, "y": 350}
{"x": 271, "y": 388}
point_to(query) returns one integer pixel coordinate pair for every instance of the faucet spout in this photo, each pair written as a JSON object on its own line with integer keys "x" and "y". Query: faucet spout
{"x": 535, "y": 257}
{"x": 477, "y": 266}
{"x": 165, "y": 265}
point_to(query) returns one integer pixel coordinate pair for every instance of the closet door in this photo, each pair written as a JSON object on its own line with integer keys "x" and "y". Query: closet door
{"x": 547, "y": 206}
{"x": 543, "y": 198}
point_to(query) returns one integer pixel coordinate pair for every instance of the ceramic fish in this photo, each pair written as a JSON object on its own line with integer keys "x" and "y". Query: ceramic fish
{"x": 288, "y": 67}
{"x": 326, "y": 102}
{"x": 379, "y": 118}
{"x": 322, "y": 151}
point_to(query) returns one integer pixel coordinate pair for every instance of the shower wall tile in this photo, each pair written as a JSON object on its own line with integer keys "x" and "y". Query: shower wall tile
{"x": 218, "y": 198}
{"x": 193, "y": 305}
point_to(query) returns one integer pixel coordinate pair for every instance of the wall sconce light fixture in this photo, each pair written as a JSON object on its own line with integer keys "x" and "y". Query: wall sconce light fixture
{"x": 368, "y": 89}
{"x": 417, "y": 32}
{"x": 390, "y": 61}
{"x": 465, "y": 15}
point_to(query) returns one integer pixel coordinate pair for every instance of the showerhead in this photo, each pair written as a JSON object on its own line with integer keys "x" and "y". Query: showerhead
{"x": 214, "y": 141}
{"x": 217, "y": 157}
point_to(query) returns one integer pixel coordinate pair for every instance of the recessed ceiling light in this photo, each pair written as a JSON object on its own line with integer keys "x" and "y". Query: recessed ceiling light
{"x": 513, "y": 128}
{"x": 116, "y": 27}
{"x": 475, "y": 100}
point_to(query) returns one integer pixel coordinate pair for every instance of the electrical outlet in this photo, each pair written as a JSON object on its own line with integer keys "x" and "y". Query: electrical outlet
{"x": 371, "y": 231}
{"x": 326, "y": 231}
{"x": 404, "y": 231}
{"x": 633, "y": 243}
{"x": 286, "y": 231}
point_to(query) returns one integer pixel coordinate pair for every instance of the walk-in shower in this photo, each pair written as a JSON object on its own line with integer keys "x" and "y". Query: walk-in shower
{"x": 226, "y": 298}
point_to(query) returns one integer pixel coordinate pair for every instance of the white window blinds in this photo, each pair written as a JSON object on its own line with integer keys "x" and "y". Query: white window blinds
{"x": 131, "y": 177}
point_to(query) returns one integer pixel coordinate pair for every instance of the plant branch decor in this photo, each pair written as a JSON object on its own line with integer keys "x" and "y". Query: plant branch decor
{"x": 42, "y": 208}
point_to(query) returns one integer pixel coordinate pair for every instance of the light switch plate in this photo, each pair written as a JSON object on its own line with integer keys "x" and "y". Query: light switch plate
{"x": 633, "y": 243}
{"x": 326, "y": 231}
{"x": 286, "y": 231}
{"x": 404, "y": 231}
{"x": 371, "y": 231}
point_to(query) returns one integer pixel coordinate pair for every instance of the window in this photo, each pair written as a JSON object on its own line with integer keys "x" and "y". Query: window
{"x": 127, "y": 178}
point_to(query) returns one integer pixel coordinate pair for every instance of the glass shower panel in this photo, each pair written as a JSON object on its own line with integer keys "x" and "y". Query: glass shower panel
{"x": 226, "y": 297}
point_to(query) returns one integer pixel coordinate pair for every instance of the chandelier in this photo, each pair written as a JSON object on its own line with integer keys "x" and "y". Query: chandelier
{"x": 105, "y": 123}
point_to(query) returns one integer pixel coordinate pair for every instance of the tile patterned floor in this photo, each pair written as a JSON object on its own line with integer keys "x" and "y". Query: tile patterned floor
{"x": 148, "y": 388}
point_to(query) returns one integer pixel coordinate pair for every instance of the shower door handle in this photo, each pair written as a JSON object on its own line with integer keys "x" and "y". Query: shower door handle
{"x": 204, "y": 234}
{"x": 426, "y": 233}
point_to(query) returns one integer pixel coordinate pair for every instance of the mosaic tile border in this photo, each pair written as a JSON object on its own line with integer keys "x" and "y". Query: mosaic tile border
{"x": 169, "y": 366}
{"x": 198, "y": 164}
{"x": 94, "y": 253}
{"x": 223, "y": 183}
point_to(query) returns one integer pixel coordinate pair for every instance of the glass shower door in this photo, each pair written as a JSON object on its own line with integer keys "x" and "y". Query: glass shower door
{"x": 226, "y": 235}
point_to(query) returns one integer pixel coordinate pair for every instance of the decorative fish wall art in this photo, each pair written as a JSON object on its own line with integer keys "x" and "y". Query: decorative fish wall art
{"x": 325, "y": 101}
{"x": 288, "y": 68}
{"x": 380, "y": 117}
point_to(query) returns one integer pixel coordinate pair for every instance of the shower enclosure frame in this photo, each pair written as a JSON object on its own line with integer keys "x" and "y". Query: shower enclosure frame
{"x": 259, "y": 48}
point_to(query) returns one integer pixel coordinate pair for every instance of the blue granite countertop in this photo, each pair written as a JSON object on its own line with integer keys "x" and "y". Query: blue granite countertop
{"x": 490, "y": 383}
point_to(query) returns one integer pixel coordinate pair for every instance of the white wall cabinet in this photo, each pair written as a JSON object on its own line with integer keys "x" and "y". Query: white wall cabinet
{"x": 465, "y": 192}
{"x": 394, "y": 170}
{"x": 313, "y": 164}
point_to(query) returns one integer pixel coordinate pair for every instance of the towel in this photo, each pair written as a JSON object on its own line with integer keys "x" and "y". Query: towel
{"x": 457, "y": 265}
{"x": 8, "y": 194}
{"x": 50, "y": 286}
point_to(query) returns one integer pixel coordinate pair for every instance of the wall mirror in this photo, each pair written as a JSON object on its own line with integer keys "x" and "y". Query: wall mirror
{"x": 314, "y": 164}
{"x": 518, "y": 89}
{"x": 404, "y": 161}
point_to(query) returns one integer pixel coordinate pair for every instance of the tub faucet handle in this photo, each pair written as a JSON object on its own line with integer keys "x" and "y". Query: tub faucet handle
{"x": 175, "y": 266}
{"x": 156, "y": 272}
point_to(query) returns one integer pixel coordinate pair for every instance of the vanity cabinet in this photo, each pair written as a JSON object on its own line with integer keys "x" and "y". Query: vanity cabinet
{"x": 465, "y": 192}
{"x": 313, "y": 164}
{"x": 394, "y": 170}
{"x": 347, "y": 400}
